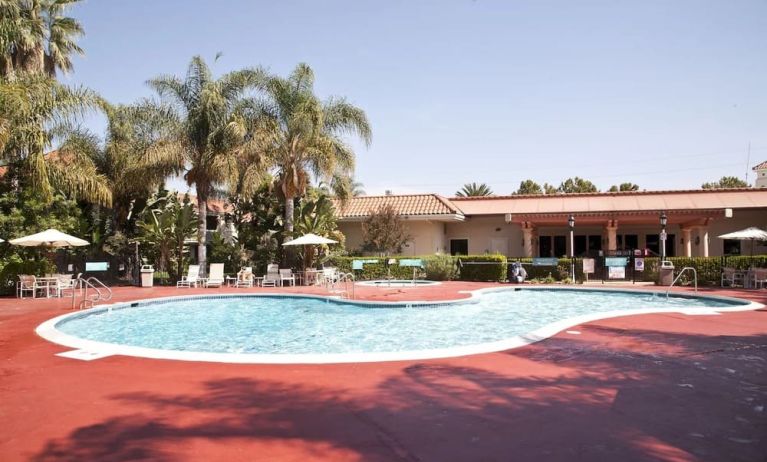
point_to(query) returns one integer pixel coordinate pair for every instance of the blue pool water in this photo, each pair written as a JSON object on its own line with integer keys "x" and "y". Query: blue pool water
{"x": 292, "y": 325}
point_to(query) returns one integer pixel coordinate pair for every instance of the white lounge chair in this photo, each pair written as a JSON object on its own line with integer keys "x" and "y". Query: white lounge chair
{"x": 216, "y": 275}
{"x": 245, "y": 277}
{"x": 272, "y": 276}
{"x": 191, "y": 278}
{"x": 286, "y": 275}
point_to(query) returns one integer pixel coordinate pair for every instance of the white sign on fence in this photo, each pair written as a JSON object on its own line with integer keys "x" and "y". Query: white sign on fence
{"x": 588, "y": 266}
{"x": 616, "y": 272}
{"x": 639, "y": 264}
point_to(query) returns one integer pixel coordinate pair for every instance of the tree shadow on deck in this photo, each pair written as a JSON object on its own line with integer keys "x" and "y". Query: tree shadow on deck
{"x": 556, "y": 400}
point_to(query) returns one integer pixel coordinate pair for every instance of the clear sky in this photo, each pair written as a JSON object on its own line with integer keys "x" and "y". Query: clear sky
{"x": 666, "y": 94}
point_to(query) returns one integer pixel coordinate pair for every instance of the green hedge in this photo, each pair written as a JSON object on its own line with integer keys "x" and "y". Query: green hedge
{"x": 483, "y": 271}
{"x": 11, "y": 269}
{"x": 560, "y": 272}
{"x": 709, "y": 269}
{"x": 436, "y": 266}
{"x": 375, "y": 271}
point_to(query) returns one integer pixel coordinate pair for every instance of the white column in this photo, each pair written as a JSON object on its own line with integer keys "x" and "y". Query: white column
{"x": 612, "y": 236}
{"x": 528, "y": 233}
{"x": 704, "y": 240}
{"x": 687, "y": 237}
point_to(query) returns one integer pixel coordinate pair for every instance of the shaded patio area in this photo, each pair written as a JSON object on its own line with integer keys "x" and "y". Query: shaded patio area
{"x": 652, "y": 387}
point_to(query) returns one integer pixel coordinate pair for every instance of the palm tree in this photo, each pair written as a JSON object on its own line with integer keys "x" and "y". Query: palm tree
{"x": 122, "y": 158}
{"x": 306, "y": 135}
{"x": 34, "y": 112}
{"x": 36, "y": 37}
{"x": 213, "y": 130}
{"x": 474, "y": 190}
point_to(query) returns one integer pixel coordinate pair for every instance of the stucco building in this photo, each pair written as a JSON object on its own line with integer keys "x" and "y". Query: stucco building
{"x": 537, "y": 225}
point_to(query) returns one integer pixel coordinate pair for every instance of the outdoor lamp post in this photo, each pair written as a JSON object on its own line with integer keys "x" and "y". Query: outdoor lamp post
{"x": 663, "y": 222}
{"x": 571, "y": 224}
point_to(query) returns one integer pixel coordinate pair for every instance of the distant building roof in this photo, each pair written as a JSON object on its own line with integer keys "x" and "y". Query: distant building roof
{"x": 628, "y": 201}
{"x": 761, "y": 166}
{"x": 215, "y": 206}
{"x": 411, "y": 205}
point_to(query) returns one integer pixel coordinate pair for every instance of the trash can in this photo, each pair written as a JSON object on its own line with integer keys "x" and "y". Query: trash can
{"x": 147, "y": 276}
{"x": 666, "y": 273}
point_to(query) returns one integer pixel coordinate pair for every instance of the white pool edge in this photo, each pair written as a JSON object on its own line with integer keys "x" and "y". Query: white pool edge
{"x": 48, "y": 331}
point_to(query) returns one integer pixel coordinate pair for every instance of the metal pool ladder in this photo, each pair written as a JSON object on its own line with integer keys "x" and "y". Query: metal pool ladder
{"x": 694, "y": 278}
{"x": 345, "y": 279}
{"x": 100, "y": 292}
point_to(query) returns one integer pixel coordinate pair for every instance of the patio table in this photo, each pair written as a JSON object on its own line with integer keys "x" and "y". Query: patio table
{"x": 47, "y": 283}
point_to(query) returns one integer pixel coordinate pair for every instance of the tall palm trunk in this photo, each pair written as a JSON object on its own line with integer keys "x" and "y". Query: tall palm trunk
{"x": 288, "y": 254}
{"x": 202, "y": 228}
{"x": 289, "y": 214}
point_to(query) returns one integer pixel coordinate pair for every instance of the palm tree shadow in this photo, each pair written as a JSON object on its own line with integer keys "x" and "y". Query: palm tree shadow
{"x": 560, "y": 400}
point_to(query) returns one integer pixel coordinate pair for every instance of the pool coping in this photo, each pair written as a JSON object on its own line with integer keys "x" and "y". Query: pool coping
{"x": 49, "y": 332}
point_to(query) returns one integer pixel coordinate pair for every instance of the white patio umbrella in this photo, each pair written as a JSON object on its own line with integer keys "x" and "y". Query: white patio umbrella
{"x": 310, "y": 239}
{"x": 49, "y": 238}
{"x": 749, "y": 234}
{"x": 306, "y": 240}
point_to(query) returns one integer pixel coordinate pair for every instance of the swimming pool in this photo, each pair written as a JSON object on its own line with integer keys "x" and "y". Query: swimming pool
{"x": 305, "y": 329}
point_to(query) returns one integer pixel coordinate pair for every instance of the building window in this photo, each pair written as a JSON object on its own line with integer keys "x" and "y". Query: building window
{"x": 544, "y": 246}
{"x": 731, "y": 247}
{"x": 212, "y": 222}
{"x": 652, "y": 243}
{"x": 580, "y": 245}
{"x": 595, "y": 244}
{"x": 627, "y": 241}
{"x": 560, "y": 246}
{"x": 459, "y": 246}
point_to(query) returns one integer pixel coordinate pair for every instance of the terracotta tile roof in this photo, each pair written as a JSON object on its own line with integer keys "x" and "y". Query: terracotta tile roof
{"x": 215, "y": 206}
{"x": 698, "y": 199}
{"x": 410, "y": 205}
{"x": 761, "y": 166}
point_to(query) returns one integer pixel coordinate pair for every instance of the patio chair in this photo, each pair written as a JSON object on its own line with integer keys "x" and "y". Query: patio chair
{"x": 760, "y": 278}
{"x": 328, "y": 276}
{"x": 245, "y": 277}
{"x": 272, "y": 276}
{"x": 216, "y": 275}
{"x": 26, "y": 284}
{"x": 191, "y": 278}
{"x": 66, "y": 282}
{"x": 732, "y": 277}
{"x": 287, "y": 275}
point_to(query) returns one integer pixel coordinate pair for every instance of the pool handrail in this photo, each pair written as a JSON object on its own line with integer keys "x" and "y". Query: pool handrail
{"x": 694, "y": 278}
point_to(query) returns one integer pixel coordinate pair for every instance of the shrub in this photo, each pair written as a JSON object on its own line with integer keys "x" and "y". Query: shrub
{"x": 374, "y": 271}
{"x": 9, "y": 274}
{"x": 441, "y": 268}
{"x": 560, "y": 273}
{"x": 483, "y": 268}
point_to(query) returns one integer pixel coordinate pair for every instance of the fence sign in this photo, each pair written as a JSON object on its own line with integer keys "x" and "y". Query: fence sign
{"x": 545, "y": 261}
{"x": 616, "y": 261}
{"x": 639, "y": 264}
{"x": 588, "y": 266}
{"x": 91, "y": 266}
{"x": 616, "y": 272}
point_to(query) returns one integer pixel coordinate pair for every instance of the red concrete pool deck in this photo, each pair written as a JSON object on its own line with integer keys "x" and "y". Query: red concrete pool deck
{"x": 665, "y": 387}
